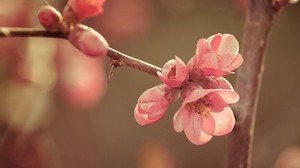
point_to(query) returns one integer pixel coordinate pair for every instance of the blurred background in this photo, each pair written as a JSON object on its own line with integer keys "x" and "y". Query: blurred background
{"x": 58, "y": 111}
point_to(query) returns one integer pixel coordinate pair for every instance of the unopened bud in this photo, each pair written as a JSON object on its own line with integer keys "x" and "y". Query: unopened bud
{"x": 88, "y": 41}
{"x": 50, "y": 18}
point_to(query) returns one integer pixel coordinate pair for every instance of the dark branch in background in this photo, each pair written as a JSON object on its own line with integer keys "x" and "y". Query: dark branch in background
{"x": 259, "y": 20}
{"x": 121, "y": 58}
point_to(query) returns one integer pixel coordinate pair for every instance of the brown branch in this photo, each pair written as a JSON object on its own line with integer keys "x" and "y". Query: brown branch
{"x": 123, "y": 59}
{"x": 259, "y": 20}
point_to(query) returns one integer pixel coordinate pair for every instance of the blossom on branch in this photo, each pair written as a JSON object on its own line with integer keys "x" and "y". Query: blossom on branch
{"x": 205, "y": 112}
{"x": 153, "y": 104}
{"x": 216, "y": 56}
{"x": 206, "y": 94}
{"x": 174, "y": 73}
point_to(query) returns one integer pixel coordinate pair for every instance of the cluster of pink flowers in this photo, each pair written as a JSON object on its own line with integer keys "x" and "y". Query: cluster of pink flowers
{"x": 206, "y": 94}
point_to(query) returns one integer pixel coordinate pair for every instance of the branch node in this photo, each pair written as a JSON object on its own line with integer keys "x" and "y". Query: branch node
{"x": 113, "y": 66}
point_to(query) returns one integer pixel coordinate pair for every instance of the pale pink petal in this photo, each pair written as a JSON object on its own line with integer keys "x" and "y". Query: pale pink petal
{"x": 229, "y": 44}
{"x": 196, "y": 94}
{"x": 207, "y": 123}
{"x": 226, "y": 60}
{"x": 181, "y": 70}
{"x": 224, "y": 83}
{"x": 236, "y": 62}
{"x": 142, "y": 119}
{"x": 158, "y": 110}
{"x": 215, "y": 72}
{"x": 224, "y": 121}
{"x": 153, "y": 107}
{"x": 203, "y": 47}
{"x": 155, "y": 93}
{"x": 194, "y": 132}
{"x": 216, "y": 101}
{"x": 216, "y": 83}
{"x": 229, "y": 96}
{"x": 181, "y": 118}
{"x": 209, "y": 60}
{"x": 215, "y": 41}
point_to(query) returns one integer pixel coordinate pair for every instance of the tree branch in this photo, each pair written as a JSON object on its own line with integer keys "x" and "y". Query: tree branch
{"x": 123, "y": 59}
{"x": 259, "y": 20}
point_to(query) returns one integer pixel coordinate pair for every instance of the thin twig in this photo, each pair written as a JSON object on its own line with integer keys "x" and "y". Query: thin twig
{"x": 112, "y": 53}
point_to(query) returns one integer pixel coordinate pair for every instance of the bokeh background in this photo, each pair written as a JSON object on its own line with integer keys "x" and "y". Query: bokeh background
{"x": 57, "y": 109}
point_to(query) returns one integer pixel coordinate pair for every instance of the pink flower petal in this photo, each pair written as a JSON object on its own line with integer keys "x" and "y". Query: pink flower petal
{"x": 229, "y": 45}
{"x": 208, "y": 60}
{"x": 142, "y": 119}
{"x": 224, "y": 121}
{"x": 216, "y": 83}
{"x": 194, "y": 132}
{"x": 196, "y": 94}
{"x": 215, "y": 41}
{"x": 229, "y": 96}
{"x": 215, "y": 72}
{"x": 181, "y": 70}
{"x": 181, "y": 118}
{"x": 203, "y": 47}
{"x": 207, "y": 123}
{"x": 155, "y": 93}
{"x": 226, "y": 60}
{"x": 236, "y": 62}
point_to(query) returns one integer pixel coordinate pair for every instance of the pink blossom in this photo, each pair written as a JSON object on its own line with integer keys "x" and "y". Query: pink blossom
{"x": 174, "y": 73}
{"x": 205, "y": 113}
{"x": 153, "y": 103}
{"x": 216, "y": 56}
{"x": 50, "y": 18}
{"x": 88, "y": 41}
{"x": 86, "y": 8}
{"x": 81, "y": 80}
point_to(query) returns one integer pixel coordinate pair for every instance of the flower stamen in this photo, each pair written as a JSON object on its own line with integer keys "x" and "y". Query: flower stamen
{"x": 172, "y": 73}
{"x": 201, "y": 106}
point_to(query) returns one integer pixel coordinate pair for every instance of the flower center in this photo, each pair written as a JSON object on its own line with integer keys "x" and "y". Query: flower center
{"x": 172, "y": 73}
{"x": 201, "y": 106}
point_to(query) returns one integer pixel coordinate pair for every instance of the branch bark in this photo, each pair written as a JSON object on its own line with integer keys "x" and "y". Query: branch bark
{"x": 121, "y": 58}
{"x": 259, "y": 20}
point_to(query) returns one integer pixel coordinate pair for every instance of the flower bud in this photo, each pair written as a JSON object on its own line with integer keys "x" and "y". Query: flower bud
{"x": 50, "y": 18}
{"x": 88, "y": 41}
{"x": 153, "y": 104}
{"x": 174, "y": 73}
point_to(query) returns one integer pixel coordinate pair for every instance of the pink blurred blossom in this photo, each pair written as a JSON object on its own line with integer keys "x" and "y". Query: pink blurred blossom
{"x": 81, "y": 80}
{"x": 205, "y": 113}
{"x": 125, "y": 20}
{"x": 216, "y": 56}
{"x": 174, "y": 73}
{"x": 86, "y": 8}
{"x": 88, "y": 41}
{"x": 153, "y": 103}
